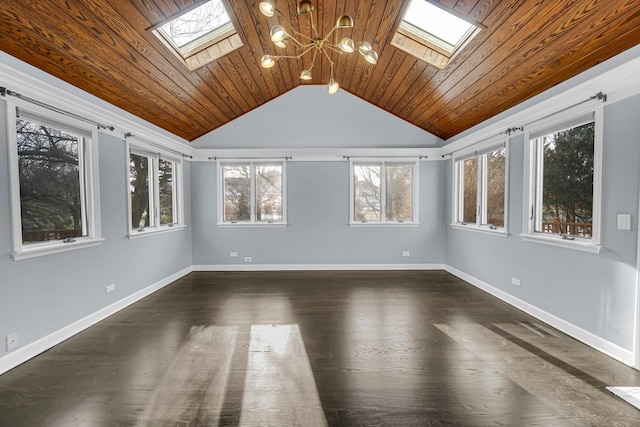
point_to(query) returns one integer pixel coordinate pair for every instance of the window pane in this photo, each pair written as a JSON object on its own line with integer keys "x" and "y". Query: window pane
{"x": 366, "y": 182}
{"x": 470, "y": 190}
{"x": 495, "y": 187}
{"x": 167, "y": 204}
{"x": 139, "y": 187}
{"x": 237, "y": 193}
{"x": 50, "y": 182}
{"x": 567, "y": 189}
{"x": 399, "y": 193}
{"x": 269, "y": 193}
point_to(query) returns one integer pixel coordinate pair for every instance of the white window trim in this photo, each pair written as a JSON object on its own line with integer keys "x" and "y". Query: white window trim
{"x": 478, "y": 151}
{"x": 384, "y": 223}
{"x": 143, "y": 149}
{"x": 89, "y": 170}
{"x": 250, "y": 162}
{"x": 529, "y": 234}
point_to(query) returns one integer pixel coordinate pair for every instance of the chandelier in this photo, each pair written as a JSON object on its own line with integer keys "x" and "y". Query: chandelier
{"x": 314, "y": 43}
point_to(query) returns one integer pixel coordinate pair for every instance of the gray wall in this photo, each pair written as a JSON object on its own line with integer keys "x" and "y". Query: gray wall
{"x": 41, "y": 295}
{"x": 595, "y": 292}
{"x": 308, "y": 117}
{"x": 318, "y": 216}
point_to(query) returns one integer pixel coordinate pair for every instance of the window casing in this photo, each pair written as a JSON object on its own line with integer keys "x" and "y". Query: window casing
{"x": 155, "y": 192}
{"x": 252, "y": 193}
{"x": 54, "y": 181}
{"x": 480, "y": 183}
{"x": 564, "y": 180}
{"x": 384, "y": 193}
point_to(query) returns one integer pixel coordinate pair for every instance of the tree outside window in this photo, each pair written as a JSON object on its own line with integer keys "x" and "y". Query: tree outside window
{"x": 567, "y": 181}
{"x": 51, "y": 199}
{"x": 383, "y": 192}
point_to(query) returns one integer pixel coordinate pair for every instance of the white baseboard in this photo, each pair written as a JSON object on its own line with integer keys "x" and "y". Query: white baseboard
{"x": 610, "y": 349}
{"x": 315, "y": 267}
{"x": 22, "y": 354}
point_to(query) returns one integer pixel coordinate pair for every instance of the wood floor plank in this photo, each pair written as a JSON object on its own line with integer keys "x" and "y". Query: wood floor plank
{"x": 403, "y": 348}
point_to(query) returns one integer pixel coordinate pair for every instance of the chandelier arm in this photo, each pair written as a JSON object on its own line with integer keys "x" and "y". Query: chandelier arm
{"x": 330, "y": 32}
{"x": 313, "y": 60}
{"x": 334, "y": 48}
{"x": 328, "y": 57}
{"x": 303, "y": 36}
{"x": 313, "y": 25}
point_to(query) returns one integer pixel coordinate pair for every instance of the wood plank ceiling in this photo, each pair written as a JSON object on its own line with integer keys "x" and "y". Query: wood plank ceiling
{"x": 105, "y": 48}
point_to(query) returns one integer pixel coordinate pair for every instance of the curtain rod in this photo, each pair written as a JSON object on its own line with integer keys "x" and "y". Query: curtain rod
{"x": 598, "y": 96}
{"x": 420, "y": 157}
{"x": 4, "y": 92}
{"x": 155, "y": 144}
{"x": 250, "y": 158}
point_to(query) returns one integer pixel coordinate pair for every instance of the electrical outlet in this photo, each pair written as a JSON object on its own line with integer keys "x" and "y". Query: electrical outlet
{"x": 110, "y": 288}
{"x": 515, "y": 281}
{"x": 406, "y": 253}
{"x": 12, "y": 341}
{"x": 247, "y": 259}
{"x": 233, "y": 254}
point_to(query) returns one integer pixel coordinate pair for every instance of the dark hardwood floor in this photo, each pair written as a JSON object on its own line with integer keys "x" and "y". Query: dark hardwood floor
{"x": 318, "y": 349}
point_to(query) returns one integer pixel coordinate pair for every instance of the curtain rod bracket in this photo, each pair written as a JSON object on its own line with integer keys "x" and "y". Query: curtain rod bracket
{"x": 600, "y": 96}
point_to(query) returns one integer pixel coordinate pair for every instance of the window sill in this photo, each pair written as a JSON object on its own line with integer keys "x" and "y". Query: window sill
{"x": 499, "y": 232}
{"x": 54, "y": 248}
{"x": 251, "y": 224}
{"x": 135, "y": 234}
{"x": 384, "y": 224}
{"x": 561, "y": 243}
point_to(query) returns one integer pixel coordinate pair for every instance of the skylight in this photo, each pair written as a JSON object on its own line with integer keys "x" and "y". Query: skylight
{"x": 438, "y": 22}
{"x": 197, "y": 26}
{"x": 200, "y": 35}
{"x": 433, "y": 33}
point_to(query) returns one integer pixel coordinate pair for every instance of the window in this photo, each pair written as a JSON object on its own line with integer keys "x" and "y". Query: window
{"x": 563, "y": 201}
{"x": 53, "y": 180}
{"x": 481, "y": 183}
{"x": 201, "y": 34}
{"x": 252, "y": 193}
{"x": 384, "y": 192}
{"x": 155, "y": 193}
{"x": 433, "y": 33}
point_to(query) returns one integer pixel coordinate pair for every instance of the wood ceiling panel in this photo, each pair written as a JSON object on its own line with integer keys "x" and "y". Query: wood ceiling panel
{"x": 561, "y": 35}
{"x": 105, "y": 48}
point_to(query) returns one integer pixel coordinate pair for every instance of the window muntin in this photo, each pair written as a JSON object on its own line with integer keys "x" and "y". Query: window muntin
{"x": 154, "y": 191}
{"x": 481, "y": 189}
{"x": 383, "y": 192}
{"x": 252, "y": 193}
{"x": 53, "y": 176}
{"x": 564, "y": 178}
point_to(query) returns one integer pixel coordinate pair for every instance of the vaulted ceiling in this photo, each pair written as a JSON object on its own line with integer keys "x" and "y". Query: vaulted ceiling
{"x": 105, "y": 47}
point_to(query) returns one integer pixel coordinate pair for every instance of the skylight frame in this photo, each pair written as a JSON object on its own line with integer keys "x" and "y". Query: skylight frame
{"x": 426, "y": 45}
